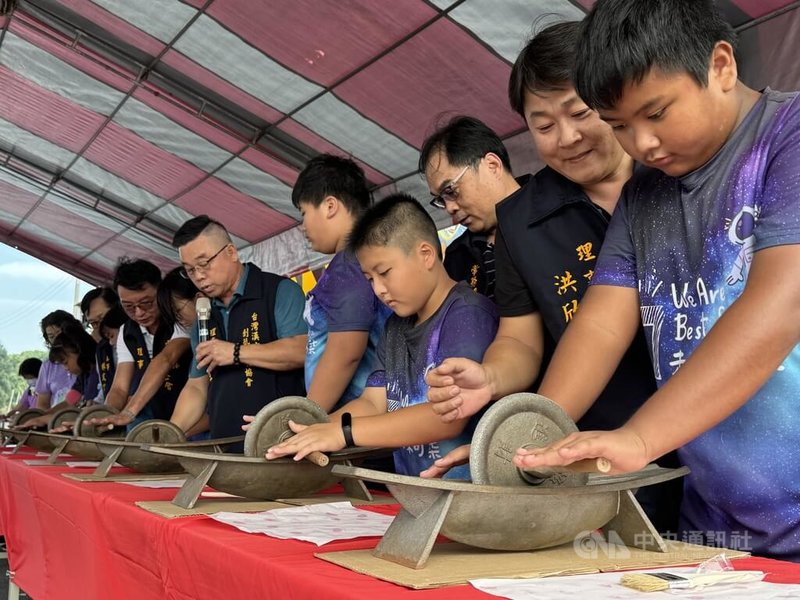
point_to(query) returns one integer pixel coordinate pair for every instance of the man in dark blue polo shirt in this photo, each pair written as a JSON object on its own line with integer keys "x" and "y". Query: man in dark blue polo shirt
{"x": 549, "y": 234}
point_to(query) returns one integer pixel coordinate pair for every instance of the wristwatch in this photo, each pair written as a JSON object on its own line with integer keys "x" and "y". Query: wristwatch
{"x": 347, "y": 430}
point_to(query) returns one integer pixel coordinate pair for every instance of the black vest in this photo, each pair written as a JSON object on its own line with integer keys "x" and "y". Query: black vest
{"x": 237, "y": 390}
{"x": 463, "y": 260}
{"x": 106, "y": 365}
{"x": 163, "y": 402}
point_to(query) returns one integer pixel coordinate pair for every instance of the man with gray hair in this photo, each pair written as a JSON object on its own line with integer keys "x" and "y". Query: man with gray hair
{"x": 257, "y": 336}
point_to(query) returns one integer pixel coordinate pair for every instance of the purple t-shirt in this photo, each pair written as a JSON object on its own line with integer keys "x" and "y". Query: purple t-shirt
{"x": 27, "y": 399}
{"x": 343, "y": 300}
{"x": 687, "y": 244}
{"x": 55, "y": 380}
{"x": 464, "y": 325}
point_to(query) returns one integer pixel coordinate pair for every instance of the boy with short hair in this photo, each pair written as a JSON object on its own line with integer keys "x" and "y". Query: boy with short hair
{"x": 398, "y": 248}
{"x": 703, "y": 248}
{"x": 345, "y": 319}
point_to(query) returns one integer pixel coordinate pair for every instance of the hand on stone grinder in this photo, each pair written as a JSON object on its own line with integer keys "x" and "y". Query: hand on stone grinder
{"x": 619, "y": 451}
{"x": 458, "y": 388}
{"x": 459, "y": 456}
{"x": 320, "y": 437}
{"x": 35, "y": 422}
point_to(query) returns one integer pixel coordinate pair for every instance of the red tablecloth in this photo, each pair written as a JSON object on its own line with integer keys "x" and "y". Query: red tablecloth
{"x": 73, "y": 540}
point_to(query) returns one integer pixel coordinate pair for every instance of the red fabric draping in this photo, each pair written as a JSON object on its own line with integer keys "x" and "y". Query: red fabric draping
{"x": 72, "y": 540}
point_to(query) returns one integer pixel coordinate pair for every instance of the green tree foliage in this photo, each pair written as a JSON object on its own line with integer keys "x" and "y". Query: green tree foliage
{"x": 11, "y": 384}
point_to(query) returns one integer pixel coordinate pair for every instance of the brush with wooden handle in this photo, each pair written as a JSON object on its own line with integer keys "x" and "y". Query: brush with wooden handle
{"x": 659, "y": 582}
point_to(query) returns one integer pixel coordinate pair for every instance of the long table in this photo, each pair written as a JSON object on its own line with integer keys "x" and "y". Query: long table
{"x": 75, "y": 540}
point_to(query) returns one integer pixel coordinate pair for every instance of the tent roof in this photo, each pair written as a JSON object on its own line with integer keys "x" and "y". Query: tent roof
{"x": 119, "y": 120}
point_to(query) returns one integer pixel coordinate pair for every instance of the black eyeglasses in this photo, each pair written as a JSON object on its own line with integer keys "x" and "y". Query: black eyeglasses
{"x": 449, "y": 192}
{"x": 202, "y": 266}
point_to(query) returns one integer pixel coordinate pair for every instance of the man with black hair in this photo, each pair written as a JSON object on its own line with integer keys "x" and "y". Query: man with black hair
{"x": 95, "y": 305}
{"x": 344, "y": 317}
{"x": 468, "y": 172}
{"x": 704, "y": 248}
{"x": 258, "y": 336}
{"x": 152, "y": 358}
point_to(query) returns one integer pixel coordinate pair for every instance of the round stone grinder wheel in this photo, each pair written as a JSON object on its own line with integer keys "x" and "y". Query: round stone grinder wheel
{"x": 517, "y": 421}
{"x": 65, "y": 414}
{"x": 83, "y": 429}
{"x": 156, "y": 431}
{"x": 271, "y": 424}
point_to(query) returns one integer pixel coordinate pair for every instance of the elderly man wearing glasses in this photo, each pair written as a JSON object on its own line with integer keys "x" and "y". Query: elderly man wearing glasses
{"x": 468, "y": 172}
{"x": 257, "y": 344}
{"x": 152, "y": 357}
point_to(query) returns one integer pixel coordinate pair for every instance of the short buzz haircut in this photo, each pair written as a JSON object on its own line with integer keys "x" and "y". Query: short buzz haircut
{"x": 545, "y": 64}
{"x": 398, "y": 220}
{"x": 623, "y": 40}
{"x": 202, "y": 224}
{"x": 135, "y": 274}
{"x": 463, "y": 141}
{"x": 330, "y": 175}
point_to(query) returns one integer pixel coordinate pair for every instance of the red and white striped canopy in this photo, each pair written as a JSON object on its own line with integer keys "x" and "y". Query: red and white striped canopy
{"x": 121, "y": 119}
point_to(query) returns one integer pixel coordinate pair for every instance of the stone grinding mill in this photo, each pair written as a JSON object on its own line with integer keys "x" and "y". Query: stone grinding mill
{"x": 505, "y": 508}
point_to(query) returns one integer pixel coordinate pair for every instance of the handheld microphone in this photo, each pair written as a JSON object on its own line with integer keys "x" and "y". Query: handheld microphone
{"x": 203, "y": 308}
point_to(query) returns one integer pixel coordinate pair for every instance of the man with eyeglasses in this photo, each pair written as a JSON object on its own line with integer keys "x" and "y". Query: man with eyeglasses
{"x": 468, "y": 172}
{"x": 257, "y": 344}
{"x": 153, "y": 359}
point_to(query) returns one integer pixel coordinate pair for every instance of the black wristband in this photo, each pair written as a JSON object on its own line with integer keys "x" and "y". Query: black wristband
{"x": 347, "y": 430}
{"x": 236, "y": 347}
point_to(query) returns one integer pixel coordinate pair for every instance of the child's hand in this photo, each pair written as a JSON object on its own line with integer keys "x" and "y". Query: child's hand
{"x": 247, "y": 420}
{"x": 456, "y": 457}
{"x": 623, "y": 447}
{"x": 323, "y": 437}
{"x": 458, "y": 388}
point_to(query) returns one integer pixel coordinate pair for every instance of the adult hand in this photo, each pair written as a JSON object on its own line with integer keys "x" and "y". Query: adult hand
{"x": 458, "y": 388}
{"x": 214, "y": 353}
{"x": 322, "y": 437}
{"x": 35, "y": 423}
{"x": 623, "y": 448}
{"x": 459, "y": 456}
{"x": 63, "y": 427}
{"x": 247, "y": 420}
{"x": 121, "y": 419}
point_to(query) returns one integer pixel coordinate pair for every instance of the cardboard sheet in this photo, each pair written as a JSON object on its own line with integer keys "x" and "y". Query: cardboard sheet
{"x": 455, "y": 564}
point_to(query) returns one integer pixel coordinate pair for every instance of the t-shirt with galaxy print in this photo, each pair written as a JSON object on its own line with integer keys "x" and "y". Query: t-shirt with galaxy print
{"x": 687, "y": 245}
{"x": 343, "y": 300}
{"x": 464, "y": 325}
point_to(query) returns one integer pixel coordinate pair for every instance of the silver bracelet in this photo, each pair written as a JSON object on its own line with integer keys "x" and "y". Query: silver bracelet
{"x": 128, "y": 413}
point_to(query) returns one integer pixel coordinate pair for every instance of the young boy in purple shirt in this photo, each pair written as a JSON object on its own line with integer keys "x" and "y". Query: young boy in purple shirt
{"x": 704, "y": 250}
{"x": 434, "y": 318}
{"x": 344, "y": 317}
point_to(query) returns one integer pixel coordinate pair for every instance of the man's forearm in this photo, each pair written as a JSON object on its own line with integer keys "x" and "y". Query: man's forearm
{"x": 511, "y": 366}
{"x": 284, "y": 354}
{"x": 190, "y": 407}
{"x": 116, "y": 398}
